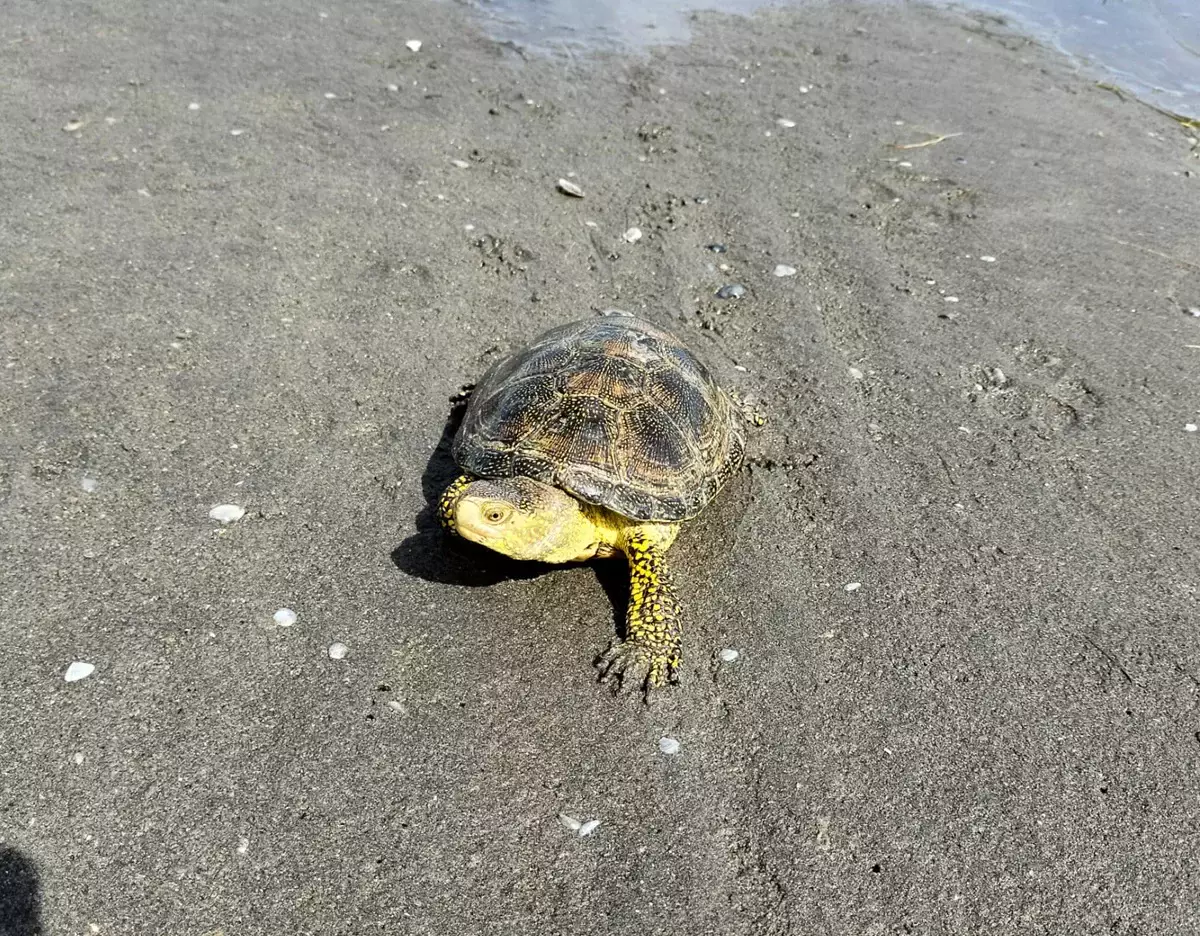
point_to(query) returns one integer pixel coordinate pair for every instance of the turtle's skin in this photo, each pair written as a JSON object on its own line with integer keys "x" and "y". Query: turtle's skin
{"x": 601, "y": 436}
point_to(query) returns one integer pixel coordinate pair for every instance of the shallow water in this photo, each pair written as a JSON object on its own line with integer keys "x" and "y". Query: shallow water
{"x": 1151, "y": 47}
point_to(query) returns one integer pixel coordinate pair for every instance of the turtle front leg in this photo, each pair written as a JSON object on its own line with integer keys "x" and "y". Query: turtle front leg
{"x": 449, "y": 501}
{"x": 650, "y": 654}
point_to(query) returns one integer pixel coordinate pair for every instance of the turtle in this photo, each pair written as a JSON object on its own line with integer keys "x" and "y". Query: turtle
{"x": 599, "y": 438}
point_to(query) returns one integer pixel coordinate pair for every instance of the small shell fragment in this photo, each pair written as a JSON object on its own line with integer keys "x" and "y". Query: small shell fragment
{"x": 567, "y": 187}
{"x": 853, "y": 586}
{"x": 1190, "y": 427}
{"x": 89, "y": 485}
{"x": 784, "y": 122}
{"x": 589, "y": 827}
{"x": 285, "y": 617}
{"x": 668, "y": 746}
{"x": 986, "y": 259}
{"x": 72, "y": 126}
{"x": 227, "y": 513}
{"x": 338, "y": 651}
{"x": 633, "y": 235}
{"x": 784, "y": 270}
{"x": 461, "y": 163}
{"x": 569, "y": 822}
{"x": 728, "y": 655}
{"x": 732, "y": 291}
{"x": 414, "y": 45}
{"x": 79, "y": 670}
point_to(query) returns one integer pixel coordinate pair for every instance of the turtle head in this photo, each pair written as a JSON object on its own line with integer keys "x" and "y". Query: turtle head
{"x": 522, "y": 518}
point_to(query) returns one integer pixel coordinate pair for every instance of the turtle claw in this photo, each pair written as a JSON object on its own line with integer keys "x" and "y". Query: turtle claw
{"x": 630, "y": 663}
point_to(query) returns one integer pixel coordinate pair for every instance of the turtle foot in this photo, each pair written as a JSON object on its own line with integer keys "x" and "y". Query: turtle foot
{"x": 636, "y": 665}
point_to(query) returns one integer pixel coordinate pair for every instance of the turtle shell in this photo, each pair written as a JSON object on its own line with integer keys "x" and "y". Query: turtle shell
{"x": 615, "y": 411}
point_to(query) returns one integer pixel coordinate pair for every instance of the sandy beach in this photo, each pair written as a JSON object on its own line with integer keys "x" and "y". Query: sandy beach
{"x": 250, "y": 251}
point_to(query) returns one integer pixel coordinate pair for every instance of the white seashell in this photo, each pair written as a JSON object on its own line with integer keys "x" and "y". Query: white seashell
{"x": 79, "y": 670}
{"x": 227, "y": 513}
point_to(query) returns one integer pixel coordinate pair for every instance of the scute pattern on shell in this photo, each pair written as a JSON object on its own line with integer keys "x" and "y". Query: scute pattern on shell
{"x": 615, "y": 411}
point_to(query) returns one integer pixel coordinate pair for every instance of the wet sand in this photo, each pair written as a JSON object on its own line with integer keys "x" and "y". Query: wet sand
{"x": 996, "y": 732}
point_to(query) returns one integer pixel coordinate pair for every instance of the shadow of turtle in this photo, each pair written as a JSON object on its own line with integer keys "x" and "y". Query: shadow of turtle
{"x": 20, "y": 895}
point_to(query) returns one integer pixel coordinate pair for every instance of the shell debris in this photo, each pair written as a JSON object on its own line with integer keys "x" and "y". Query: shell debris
{"x": 853, "y": 586}
{"x": 227, "y": 513}
{"x": 732, "y": 291}
{"x": 567, "y": 187}
{"x": 414, "y": 45}
{"x": 728, "y": 655}
{"x": 338, "y": 651}
{"x": 784, "y": 270}
{"x": 285, "y": 617}
{"x": 633, "y": 235}
{"x": 580, "y": 828}
{"x": 668, "y": 746}
{"x": 569, "y": 822}
{"x": 1190, "y": 427}
{"x": 784, "y": 122}
{"x": 89, "y": 485}
{"x": 461, "y": 163}
{"x": 79, "y": 670}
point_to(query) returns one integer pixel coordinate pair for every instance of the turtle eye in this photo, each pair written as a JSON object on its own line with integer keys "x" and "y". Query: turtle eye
{"x": 495, "y": 513}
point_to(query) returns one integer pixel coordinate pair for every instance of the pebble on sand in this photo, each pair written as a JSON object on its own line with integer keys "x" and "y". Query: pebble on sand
{"x": 668, "y": 746}
{"x": 414, "y": 45}
{"x": 633, "y": 235}
{"x": 732, "y": 291}
{"x": 195, "y": 105}
{"x": 567, "y": 187}
{"x": 784, "y": 270}
{"x": 227, "y": 513}
{"x": 338, "y": 651}
{"x": 728, "y": 655}
{"x": 237, "y": 131}
{"x": 79, "y": 670}
{"x": 853, "y": 586}
{"x": 285, "y": 617}
{"x": 1190, "y": 427}
{"x": 716, "y": 248}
